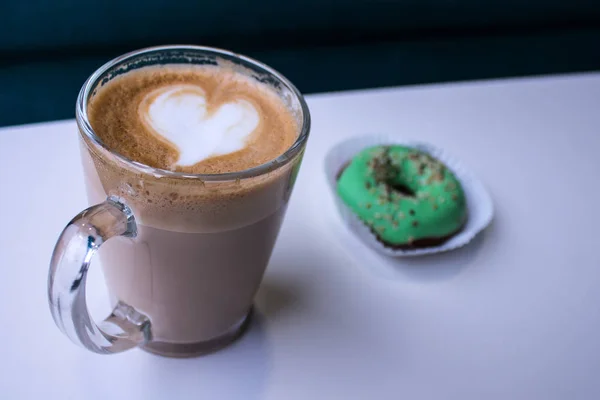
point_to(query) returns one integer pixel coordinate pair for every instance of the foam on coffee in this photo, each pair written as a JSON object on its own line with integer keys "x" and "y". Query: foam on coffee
{"x": 122, "y": 113}
{"x": 194, "y": 119}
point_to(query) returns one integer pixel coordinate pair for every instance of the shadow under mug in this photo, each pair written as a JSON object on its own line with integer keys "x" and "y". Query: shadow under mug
{"x": 187, "y": 252}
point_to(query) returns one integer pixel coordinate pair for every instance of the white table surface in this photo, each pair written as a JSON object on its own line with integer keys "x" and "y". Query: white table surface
{"x": 514, "y": 315}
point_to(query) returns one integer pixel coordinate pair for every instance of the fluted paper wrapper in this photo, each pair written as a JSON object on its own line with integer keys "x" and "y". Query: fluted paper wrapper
{"x": 479, "y": 204}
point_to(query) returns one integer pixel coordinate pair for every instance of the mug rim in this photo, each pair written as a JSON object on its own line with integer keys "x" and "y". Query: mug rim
{"x": 86, "y": 129}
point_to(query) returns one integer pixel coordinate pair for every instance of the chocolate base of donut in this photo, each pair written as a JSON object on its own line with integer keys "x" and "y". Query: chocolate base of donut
{"x": 416, "y": 244}
{"x": 419, "y": 243}
{"x": 339, "y": 174}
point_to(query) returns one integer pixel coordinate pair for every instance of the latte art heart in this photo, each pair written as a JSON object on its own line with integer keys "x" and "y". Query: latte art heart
{"x": 179, "y": 115}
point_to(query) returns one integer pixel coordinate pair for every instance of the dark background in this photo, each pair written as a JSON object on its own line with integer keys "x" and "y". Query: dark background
{"x": 48, "y": 48}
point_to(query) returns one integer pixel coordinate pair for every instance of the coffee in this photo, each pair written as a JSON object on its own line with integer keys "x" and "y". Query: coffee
{"x": 194, "y": 119}
{"x": 202, "y": 244}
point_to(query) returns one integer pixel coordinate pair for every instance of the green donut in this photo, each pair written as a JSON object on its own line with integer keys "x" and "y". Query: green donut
{"x": 408, "y": 198}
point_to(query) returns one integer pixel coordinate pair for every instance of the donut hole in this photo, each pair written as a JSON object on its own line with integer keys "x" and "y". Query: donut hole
{"x": 401, "y": 188}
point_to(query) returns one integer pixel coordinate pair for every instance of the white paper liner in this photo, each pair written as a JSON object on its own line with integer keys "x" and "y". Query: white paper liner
{"x": 479, "y": 203}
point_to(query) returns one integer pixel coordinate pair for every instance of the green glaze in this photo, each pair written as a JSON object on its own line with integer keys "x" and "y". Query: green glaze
{"x": 431, "y": 203}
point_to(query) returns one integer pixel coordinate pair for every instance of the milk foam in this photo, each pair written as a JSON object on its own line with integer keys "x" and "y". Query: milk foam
{"x": 178, "y": 113}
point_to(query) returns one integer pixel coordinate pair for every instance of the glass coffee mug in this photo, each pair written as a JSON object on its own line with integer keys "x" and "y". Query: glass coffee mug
{"x": 187, "y": 252}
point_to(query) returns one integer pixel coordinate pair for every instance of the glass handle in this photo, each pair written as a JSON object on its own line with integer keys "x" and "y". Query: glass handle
{"x": 125, "y": 327}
